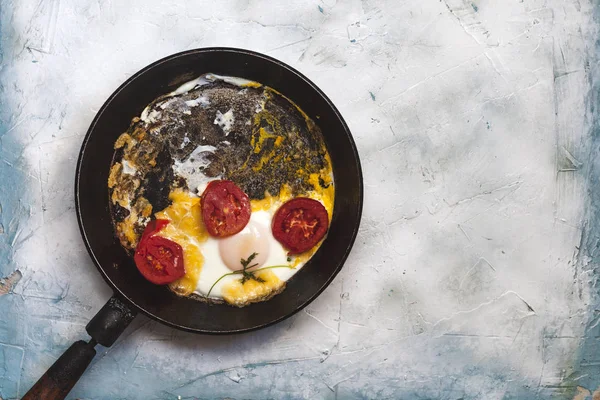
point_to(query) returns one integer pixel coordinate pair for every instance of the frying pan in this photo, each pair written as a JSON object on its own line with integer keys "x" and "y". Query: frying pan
{"x": 132, "y": 293}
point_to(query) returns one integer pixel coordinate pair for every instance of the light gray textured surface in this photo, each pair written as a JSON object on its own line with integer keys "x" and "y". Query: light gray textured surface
{"x": 473, "y": 122}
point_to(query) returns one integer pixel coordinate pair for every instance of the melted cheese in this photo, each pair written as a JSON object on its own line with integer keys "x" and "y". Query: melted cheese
{"x": 325, "y": 194}
{"x": 113, "y": 176}
{"x": 186, "y": 229}
{"x": 262, "y": 135}
{"x": 252, "y": 84}
{"x": 123, "y": 140}
{"x": 126, "y": 228}
{"x": 241, "y": 294}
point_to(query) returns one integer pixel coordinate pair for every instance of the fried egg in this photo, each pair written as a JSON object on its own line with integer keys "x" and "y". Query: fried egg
{"x": 212, "y": 128}
{"x": 213, "y": 264}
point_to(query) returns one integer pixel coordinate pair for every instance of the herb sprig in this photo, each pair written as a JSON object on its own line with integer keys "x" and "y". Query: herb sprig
{"x": 247, "y": 275}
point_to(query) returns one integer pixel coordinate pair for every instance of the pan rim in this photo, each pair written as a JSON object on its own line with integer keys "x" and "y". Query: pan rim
{"x": 117, "y": 291}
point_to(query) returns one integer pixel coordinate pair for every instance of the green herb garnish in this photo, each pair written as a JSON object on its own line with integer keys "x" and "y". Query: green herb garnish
{"x": 247, "y": 275}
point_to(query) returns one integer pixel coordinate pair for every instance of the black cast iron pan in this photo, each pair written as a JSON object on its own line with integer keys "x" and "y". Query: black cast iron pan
{"x": 132, "y": 293}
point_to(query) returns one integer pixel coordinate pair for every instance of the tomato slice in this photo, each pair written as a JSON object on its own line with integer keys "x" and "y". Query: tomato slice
{"x": 225, "y": 208}
{"x": 153, "y": 227}
{"x": 158, "y": 259}
{"x": 300, "y": 224}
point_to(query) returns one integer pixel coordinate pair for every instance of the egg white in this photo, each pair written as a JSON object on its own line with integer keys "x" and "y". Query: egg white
{"x": 214, "y": 267}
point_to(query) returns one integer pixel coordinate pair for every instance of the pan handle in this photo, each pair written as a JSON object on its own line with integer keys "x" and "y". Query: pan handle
{"x": 104, "y": 328}
{"x": 60, "y": 378}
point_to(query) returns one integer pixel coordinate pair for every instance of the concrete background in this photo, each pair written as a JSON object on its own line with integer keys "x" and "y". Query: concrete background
{"x": 474, "y": 275}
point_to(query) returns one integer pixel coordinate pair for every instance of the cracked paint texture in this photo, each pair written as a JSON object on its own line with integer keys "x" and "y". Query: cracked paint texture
{"x": 474, "y": 275}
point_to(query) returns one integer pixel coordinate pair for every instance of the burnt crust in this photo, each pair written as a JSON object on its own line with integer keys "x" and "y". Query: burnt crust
{"x": 271, "y": 143}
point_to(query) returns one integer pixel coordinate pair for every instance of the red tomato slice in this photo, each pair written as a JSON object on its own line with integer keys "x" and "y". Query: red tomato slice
{"x": 158, "y": 259}
{"x": 300, "y": 224}
{"x": 225, "y": 208}
{"x": 153, "y": 226}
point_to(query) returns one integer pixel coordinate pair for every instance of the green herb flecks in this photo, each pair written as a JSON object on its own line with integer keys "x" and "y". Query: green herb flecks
{"x": 247, "y": 275}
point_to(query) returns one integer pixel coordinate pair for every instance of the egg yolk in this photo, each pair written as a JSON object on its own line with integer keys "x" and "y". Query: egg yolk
{"x": 253, "y": 239}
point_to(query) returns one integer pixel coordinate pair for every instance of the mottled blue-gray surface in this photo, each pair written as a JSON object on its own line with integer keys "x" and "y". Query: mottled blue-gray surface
{"x": 585, "y": 371}
{"x": 475, "y": 272}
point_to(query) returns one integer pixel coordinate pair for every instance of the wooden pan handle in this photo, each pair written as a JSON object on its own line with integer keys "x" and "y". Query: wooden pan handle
{"x": 104, "y": 328}
{"x": 60, "y": 378}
